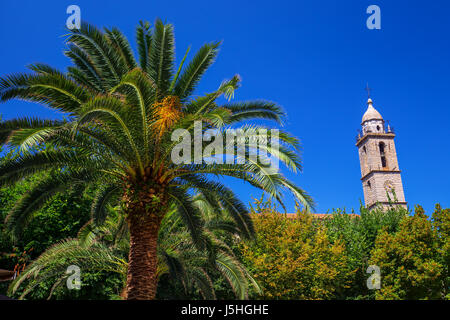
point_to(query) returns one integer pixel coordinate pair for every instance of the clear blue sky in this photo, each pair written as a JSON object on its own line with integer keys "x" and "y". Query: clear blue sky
{"x": 312, "y": 57}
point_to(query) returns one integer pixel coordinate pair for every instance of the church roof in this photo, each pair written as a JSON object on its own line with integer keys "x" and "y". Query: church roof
{"x": 371, "y": 113}
{"x": 318, "y": 215}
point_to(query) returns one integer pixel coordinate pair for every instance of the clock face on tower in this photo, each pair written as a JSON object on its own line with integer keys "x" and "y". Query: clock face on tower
{"x": 389, "y": 186}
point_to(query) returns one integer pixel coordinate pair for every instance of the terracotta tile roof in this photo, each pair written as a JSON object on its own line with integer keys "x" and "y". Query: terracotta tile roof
{"x": 317, "y": 215}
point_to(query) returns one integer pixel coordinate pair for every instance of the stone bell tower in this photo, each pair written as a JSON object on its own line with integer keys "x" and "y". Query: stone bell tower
{"x": 380, "y": 173}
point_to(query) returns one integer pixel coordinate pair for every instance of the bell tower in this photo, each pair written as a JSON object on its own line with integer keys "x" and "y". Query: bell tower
{"x": 380, "y": 173}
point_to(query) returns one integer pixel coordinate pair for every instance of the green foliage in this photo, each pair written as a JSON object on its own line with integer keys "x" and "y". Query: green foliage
{"x": 103, "y": 269}
{"x": 101, "y": 89}
{"x": 116, "y": 146}
{"x": 441, "y": 225}
{"x": 118, "y": 139}
{"x": 310, "y": 258}
{"x": 358, "y": 234}
{"x": 294, "y": 259}
{"x": 101, "y": 254}
{"x": 58, "y": 219}
{"x": 411, "y": 260}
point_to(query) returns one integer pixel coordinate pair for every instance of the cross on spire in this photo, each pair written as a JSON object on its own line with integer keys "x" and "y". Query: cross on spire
{"x": 368, "y": 90}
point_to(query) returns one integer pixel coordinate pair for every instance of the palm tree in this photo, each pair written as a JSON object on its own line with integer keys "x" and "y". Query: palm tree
{"x": 105, "y": 247}
{"x": 183, "y": 262}
{"x": 117, "y": 138}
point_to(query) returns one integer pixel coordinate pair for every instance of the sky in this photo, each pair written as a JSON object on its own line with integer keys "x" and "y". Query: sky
{"x": 314, "y": 58}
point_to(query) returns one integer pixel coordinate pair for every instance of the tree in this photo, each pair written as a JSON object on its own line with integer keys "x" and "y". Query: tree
{"x": 441, "y": 224}
{"x": 59, "y": 218}
{"x": 103, "y": 249}
{"x": 294, "y": 259}
{"x": 94, "y": 251}
{"x": 358, "y": 233}
{"x": 409, "y": 260}
{"x": 117, "y": 138}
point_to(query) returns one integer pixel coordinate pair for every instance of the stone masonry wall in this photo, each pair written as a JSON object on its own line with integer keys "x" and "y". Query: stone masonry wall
{"x": 374, "y": 174}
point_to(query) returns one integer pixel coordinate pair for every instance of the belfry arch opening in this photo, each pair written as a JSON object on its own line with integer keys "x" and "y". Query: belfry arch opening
{"x": 382, "y": 146}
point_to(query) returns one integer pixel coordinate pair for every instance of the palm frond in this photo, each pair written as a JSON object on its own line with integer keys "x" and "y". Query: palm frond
{"x": 121, "y": 44}
{"x": 189, "y": 213}
{"x": 43, "y": 68}
{"x": 100, "y": 51}
{"x": 85, "y": 69}
{"x": 162, "y": 55}
{"x": 254, "y": 110}
{"x": 180, "y": 67}
{"x": 17, "y": 131}
{"x": 104, "y": 195}
{"x": 143, "y": 39}
{"x": 54, "y": 261}
{"x": 52, "y": 89}
{"x": 40, "y": 193}
{"x": 190, "y": 77}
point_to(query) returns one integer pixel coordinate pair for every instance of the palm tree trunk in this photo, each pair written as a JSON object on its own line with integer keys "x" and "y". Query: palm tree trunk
{"x": 142, "y": 279}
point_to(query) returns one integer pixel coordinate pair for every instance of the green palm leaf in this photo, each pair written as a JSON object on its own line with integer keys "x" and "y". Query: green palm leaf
{"x": 118, "y": 140}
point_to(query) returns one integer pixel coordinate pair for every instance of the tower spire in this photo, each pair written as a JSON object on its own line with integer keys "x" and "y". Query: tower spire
{"x": 380, "y": 174}
{"x": 368, "y": 90}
